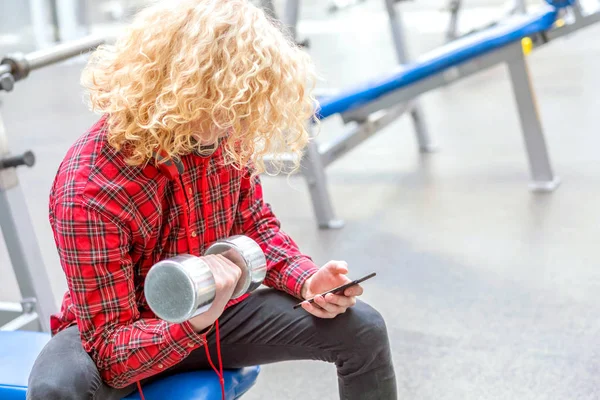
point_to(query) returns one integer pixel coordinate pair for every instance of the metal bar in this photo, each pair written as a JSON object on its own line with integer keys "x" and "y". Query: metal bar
{"x": 54, "y": 16}
{"x": 11, "y": 307}
{"x": 61, "y": 52}
{"x": 314, "y": 173}
{"x": 4, "y": 69}
{"x": 539, "y": 161}
{"x": 19, "y": 322}
{"x": 577, "y": 11}
{"x": 424, "y": 139}
{"x": 581, "y": 23}
{"x": 41, "y": 22}
{"x": 287, "y": 160}
{"x": 24, "y": 253}
{"x": 269, "y": 8}
{"x": 68, "y": 24}
{"x": 347, "y": 141}
{"x": 338, "y": 5}
{"x": 520, "y": 7}
{"x": 331, "y": 151}
{"x": 397, "y": 27}
{"x": 454, "y": 7}
{"x": 290, "y": 17}
{"x": 21, "y": 242}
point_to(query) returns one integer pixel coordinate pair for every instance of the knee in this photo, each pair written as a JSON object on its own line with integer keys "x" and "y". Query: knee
{"x": 49, "y": 386}
{"x": 364, "y": 335}
{"x": 367, "y": 327}
{"x": 46, "y": 389}
{"x": 52, "y": 378}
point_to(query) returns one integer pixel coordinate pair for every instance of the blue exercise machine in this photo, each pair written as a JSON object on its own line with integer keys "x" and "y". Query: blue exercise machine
{"x": 373, "y": 105}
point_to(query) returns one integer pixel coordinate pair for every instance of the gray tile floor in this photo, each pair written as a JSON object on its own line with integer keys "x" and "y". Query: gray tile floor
{"x": 489, "y": 291}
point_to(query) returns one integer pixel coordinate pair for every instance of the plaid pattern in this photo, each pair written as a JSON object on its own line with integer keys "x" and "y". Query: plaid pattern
{"x": 112, "y": 222}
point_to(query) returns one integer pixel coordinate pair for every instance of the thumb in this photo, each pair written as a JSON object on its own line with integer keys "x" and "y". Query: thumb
{"x": 337, "y": 267}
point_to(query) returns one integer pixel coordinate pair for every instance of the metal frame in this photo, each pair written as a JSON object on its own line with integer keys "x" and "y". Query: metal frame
{"x": 543, "y": 178}
{"x": 38, "y": 301}
{"x": 376, "y": 115}
{"x": 318, "y": 157}
{"x": 338, "y": 5}
{"x": 426, "y": 143}
{"x": 580, "y": 21}
{"x": 23, "y": 251}
{"x": 290, "y": 16}
{"x": 269, "y": 8}
{"x": 455, "y": 6}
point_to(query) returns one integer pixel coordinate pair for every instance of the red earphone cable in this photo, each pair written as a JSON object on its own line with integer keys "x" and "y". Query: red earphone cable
{"x": 220, "y": 359}
{"x": 219, "y": 371}
{"x": 140, "y": 390}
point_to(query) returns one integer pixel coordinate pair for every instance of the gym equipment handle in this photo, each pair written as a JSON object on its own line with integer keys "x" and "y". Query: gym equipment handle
{"x": 18, "y": 65}
{"x": 183, "y": 286}
{"x": 61, "y": 52}
{"x": 27, "y": 158}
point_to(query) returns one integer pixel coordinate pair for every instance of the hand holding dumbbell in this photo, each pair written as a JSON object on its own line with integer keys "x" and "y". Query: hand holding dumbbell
{"x": 182, "y": 287}
{"x": 226, "y": 275}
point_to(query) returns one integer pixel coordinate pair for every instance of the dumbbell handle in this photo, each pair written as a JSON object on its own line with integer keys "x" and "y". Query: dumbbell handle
{"x": 182, "y": 287}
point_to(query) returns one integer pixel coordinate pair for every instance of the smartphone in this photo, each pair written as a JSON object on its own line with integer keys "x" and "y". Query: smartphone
{"x": 340, "y": 288}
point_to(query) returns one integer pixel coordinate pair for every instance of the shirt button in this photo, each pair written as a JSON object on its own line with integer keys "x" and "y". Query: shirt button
{"x": 190, "y": 190}
{"x": 160, "y": 366}
{"x": 190, "y": 344}
{"x": 194, "y": 234}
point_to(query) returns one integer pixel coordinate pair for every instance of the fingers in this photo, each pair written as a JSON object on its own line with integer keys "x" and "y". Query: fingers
{"x": 330, "y": 307}
{"x": 227, "y": 265}
{"x": 225, "y": 273}
{"x": 226, "y": 276}
{"x": 317, "y": 312}
{"x": 337, "y": 267}
{"x": 352, "y": 291}
{"x": 234, "y": 256}
{"x": 341, "y": 301}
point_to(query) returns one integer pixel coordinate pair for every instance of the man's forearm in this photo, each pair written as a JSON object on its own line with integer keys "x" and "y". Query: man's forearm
{"x": 134, "y": 343}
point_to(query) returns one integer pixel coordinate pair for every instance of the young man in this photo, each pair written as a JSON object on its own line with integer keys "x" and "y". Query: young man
{"x": 192, "y": 96}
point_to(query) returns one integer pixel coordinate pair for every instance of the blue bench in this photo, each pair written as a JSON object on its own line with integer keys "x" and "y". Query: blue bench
{"x": 439, "y": 60}
{"x": 376, "y": 103}
{"x": 19, "y": 349}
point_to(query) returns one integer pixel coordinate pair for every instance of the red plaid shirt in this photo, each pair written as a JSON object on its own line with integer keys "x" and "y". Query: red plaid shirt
{"x": 112, "y": 222}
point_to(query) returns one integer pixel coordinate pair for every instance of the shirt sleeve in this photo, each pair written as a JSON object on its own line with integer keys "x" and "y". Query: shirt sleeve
{"x": 94, "y": 253}
{"x": 287, "y": 267}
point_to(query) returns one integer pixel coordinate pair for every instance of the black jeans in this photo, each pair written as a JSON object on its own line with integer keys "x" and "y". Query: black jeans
{"x": 262, "y": 329}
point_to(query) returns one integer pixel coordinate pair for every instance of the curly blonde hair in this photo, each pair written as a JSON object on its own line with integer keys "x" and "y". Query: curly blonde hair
{"x": 190, "y": 73}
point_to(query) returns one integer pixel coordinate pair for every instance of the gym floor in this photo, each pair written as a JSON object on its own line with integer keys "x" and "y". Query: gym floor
{"x": 489, "y": 291}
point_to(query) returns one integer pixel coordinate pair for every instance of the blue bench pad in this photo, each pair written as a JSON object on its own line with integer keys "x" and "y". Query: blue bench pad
{"x": 19, "y": 349}
{"x": 200, "y": 385}
{"x": 440, "y": 59}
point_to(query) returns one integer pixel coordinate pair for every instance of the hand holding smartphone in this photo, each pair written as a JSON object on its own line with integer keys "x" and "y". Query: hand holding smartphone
{"x": 339, "y": 289}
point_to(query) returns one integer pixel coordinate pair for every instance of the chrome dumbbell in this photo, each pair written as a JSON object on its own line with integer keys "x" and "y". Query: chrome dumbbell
{"x": 182, "y": 287}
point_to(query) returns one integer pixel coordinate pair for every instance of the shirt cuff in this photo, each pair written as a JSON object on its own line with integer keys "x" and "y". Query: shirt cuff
{"x": 185, "y": 339}
{"x": 300, "y": 272}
